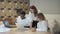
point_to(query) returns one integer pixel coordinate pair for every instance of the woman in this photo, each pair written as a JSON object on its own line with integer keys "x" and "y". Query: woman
{"x": 33, "y": 15}
{"x": 22, "y": 20}
{"x": 3, "y": 28}
{"x": 41, "y": 25}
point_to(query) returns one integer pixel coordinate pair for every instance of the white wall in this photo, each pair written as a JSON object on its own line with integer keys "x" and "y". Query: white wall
{"x": 47, "y": 6}
{"x": 50, "y": 7}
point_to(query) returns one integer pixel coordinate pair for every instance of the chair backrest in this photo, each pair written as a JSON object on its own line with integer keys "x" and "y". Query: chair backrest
{"x": 51, "y": 23}
{"x": 56, "y": 28}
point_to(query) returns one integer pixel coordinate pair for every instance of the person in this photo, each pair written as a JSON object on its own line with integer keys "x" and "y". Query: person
{"x": 21, "y": 19}
{"x": 3, "y": 28}
{"x": 42, "y": 24}
{"x": 34, "y": 12}
{"x": 33, "y": 16}
{"x": 6, "y": 23}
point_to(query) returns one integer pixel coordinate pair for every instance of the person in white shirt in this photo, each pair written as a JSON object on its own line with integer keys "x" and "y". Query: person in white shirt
{"x": 41, "y": 25}
{"x": 3, "y": 28}
{"x": 22, "y": 20}
{"x": 33, "y": 16}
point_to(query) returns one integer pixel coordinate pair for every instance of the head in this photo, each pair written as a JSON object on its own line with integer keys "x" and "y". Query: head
{"x": 22, "y": 14}
{"x": 41, "y": 16}
{"x": 33, "y": 10}
{"x": 18, "y": 11}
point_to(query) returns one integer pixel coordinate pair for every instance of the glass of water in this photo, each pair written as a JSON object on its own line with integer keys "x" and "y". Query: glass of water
{"x": 20, "y": 27}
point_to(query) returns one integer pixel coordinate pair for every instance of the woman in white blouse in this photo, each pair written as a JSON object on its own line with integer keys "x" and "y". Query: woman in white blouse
{"x": 3, "y": 28}
{"x": 33, "y": 15}
{"x": 41, "y": 25}
{"x": 22, "y": 20}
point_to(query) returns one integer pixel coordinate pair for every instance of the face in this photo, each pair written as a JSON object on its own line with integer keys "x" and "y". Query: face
{"x": 31, "y": 10}
{"x": 22, "y": 16}
{"x": 39, "y": 18}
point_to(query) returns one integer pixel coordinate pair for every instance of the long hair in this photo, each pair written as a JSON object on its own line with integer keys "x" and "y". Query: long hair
{"x": 34, "y": 9}
{"x": 40, "y": 15}
{"x": 23, "y": 13}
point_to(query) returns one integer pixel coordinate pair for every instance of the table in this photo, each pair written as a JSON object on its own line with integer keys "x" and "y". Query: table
{"x": 14, "y": 31}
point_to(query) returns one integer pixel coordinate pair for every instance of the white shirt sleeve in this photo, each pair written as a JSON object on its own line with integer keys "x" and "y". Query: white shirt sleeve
{"x": 19, "y": 20}
{"x": 29, "y": 18}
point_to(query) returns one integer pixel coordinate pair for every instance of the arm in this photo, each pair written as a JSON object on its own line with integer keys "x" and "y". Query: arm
{"x": 32, "y": 29}
{"x": 30, "y": 25}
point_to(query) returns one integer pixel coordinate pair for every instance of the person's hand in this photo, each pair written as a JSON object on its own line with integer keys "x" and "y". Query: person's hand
{"x": 33, "y": 29}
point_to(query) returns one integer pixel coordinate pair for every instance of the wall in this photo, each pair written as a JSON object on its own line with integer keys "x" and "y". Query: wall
{"x": 8, "y": 8}
{"x": 51, "y": 8}
{"x": 47, "y": 6}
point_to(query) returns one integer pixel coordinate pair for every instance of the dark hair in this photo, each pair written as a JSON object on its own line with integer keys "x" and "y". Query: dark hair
{"x": 19, "y": 10}
{"x": 22, "y": 12}
{"x": 41, "y": 16}
{"x": 34, "y": 9}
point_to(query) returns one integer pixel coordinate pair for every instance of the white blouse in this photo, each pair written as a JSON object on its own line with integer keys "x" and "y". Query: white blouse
{"x": 25, "y": 22}
{"x": 31, "y": 16}
{"x": 41, "y": 26}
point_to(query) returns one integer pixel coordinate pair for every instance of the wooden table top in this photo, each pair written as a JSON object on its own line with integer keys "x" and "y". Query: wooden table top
{"x": 14, "y": 31}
